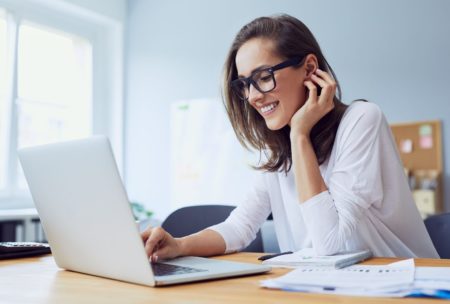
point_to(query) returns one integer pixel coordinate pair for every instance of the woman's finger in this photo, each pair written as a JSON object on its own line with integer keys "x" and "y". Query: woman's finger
{"x": 321, "y": 82}
{"x": 325, "y": 76}
{"x": 327, "y": 89}
{"x": 312, "y": 90}
{"x": 154, "y": 240}
{"x": 328, "y": 85}
{"x": 162, "y": 253}
{"x": 146, "y": 233}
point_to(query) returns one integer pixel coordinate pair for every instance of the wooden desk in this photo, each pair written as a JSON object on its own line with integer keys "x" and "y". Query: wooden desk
{"x": 39, "y": 280}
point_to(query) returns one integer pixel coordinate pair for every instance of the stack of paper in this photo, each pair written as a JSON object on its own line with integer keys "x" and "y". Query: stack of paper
{"x": 431, "y": 282}
{"x": 399, "y": 279}
{"x": 307, "y": 257}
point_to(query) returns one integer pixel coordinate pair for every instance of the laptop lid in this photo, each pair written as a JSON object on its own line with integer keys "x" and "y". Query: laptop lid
{"x": 80, "y": 199}
{"x": 88, "y": 221}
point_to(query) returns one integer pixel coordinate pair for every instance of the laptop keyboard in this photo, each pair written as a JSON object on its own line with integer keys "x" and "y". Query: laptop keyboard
{"x": 161, "y": 269}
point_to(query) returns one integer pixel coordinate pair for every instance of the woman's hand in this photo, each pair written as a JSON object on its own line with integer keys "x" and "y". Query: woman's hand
{"x": 315, "y": 106}
{"x": 159, "y": 244}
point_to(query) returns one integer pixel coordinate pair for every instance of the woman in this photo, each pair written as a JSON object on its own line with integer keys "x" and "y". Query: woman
{"x": 333, "y": 179}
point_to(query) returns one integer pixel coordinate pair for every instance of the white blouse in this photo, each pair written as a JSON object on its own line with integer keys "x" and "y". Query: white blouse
{"x": 368, "y": 204}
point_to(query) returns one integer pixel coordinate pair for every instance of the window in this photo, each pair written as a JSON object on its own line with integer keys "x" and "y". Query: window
{"x": 53, "y": 99}
{"x": 49, "y": 79}
{"x": 54, "y": 94}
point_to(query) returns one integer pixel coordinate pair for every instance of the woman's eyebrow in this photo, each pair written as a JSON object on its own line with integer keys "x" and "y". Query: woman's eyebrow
{"x": 257, "y": 69}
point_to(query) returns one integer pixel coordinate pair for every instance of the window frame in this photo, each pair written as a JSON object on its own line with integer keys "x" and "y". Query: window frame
{"x": 106, "y": 37}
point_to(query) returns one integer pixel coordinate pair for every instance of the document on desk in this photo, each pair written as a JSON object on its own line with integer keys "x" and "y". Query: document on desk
{"x": 432, "y": 278}
{"x": 360, "y": 280}
{"x": 431, "y": 282}
{"x": 399, "y": 279}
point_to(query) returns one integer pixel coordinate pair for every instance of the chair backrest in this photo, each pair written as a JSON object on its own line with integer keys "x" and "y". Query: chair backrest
{"x": 191, "y": 219}
{"x": 438, "y": 227}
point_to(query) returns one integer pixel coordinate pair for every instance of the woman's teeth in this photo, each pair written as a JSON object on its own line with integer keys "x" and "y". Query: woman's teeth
{"x": 269, "y": 107}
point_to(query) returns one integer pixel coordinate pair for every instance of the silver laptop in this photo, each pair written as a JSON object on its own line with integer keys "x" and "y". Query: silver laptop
{"x": 89, "y": 224}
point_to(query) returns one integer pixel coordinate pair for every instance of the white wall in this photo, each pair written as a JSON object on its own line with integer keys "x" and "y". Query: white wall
{"x": 115, "y": 9}
{"x": 394, "y": 53}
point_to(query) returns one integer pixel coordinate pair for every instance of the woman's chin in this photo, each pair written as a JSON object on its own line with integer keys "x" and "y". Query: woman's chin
{"x": 274, "y": 124}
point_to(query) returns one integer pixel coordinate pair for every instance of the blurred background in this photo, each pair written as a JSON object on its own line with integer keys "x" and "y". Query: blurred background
{"x": 147, "y": 74}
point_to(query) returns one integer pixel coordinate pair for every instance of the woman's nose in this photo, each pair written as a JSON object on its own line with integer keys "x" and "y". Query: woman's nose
{"x": 254, "y": 94}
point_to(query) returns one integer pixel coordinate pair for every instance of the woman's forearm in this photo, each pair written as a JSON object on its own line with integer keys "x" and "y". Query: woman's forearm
{"x": 204, "y": 243}
{"x": 308, "y": 180}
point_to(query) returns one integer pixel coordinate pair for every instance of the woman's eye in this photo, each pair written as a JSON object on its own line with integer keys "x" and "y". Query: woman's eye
{"x": 266, "y": 78}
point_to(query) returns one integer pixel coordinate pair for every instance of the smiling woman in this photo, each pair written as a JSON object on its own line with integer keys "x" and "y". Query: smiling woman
{"x": 249, "y": 125}
{"x": 332, "y": 155}
{"x": 333, "y": 180}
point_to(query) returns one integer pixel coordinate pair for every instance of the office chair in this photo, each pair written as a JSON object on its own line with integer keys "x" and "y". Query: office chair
{"x": 191, "y": 219}
{"x": 438, "y": 227}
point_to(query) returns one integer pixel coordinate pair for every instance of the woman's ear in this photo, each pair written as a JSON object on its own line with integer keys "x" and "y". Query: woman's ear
{"x": 311, "y": 65}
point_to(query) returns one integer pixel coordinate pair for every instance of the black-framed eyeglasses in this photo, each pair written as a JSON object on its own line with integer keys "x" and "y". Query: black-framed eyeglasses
{"x": 262, "y": 79}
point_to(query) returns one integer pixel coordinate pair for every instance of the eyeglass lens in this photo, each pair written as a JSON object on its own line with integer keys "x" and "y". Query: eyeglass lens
{"x": 263, "y": 81}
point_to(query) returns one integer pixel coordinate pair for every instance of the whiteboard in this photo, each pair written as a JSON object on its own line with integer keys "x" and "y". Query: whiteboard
{"x": 208, "y": 164}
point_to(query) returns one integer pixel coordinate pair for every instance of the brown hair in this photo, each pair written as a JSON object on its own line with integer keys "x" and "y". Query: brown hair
{"x": 291, "y": 39}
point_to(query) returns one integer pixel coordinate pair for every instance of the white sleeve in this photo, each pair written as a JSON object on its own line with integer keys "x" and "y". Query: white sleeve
{"x": 354, "y": 185}
{"x": 240, "y": 228}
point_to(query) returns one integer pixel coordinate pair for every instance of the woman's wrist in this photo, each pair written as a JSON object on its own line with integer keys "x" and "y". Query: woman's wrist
{"x": 299, "y": 136}
{"x": 182, "y": 246}
{"x": 299, "y": 130}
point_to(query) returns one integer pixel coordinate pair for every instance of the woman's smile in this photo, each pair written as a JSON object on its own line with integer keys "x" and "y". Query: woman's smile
{"x": 269, "y": 108}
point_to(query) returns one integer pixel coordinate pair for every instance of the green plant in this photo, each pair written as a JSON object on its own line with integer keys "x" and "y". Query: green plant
{"x": 139, "y": 211}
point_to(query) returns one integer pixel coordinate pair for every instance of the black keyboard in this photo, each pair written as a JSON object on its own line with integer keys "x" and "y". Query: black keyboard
{"x": 12, "y": 250}
{"x": 161, "y": 269}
